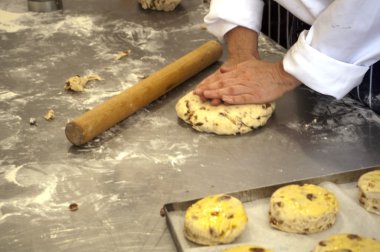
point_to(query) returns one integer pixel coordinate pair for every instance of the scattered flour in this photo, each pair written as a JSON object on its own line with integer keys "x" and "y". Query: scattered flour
{"x": 11, "y": 174}
{"x": 11, "y": 22}
{"x": 335, "y": 120}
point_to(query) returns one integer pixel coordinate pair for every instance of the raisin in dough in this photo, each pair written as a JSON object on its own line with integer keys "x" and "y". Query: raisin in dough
{"x": 302, "y": 209}
{"x": 217, "y": 219}
{"x": 369, "y": 191}
{"x": 349, "y": 243}
{"x": 222, "y": 119}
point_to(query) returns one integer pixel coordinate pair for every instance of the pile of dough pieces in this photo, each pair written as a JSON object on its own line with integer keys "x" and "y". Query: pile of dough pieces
{"x": 302, "y": 209}
{"x": 160, "y": 5}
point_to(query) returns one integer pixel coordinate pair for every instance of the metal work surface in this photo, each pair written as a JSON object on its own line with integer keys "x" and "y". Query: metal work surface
{"x": 121, "y": 180}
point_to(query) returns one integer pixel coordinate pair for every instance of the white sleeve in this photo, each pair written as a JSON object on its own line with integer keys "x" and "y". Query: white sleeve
{"x": 225, "y": 15}
{"x": 342, "y": 43}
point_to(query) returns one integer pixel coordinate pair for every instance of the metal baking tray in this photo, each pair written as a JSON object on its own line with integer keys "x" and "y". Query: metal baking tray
{"x": 174, "y": 212}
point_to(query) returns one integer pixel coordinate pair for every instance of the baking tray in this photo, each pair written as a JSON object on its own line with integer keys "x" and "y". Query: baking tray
{"x": 174, "y": 213}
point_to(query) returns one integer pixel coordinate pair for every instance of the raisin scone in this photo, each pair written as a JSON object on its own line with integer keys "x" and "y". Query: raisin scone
{"x": 247, "y": 248}
{"x": 222, "y": 119}
{"x": 349, "y": 243}
{"x": 369, "y": 191}
{"x": 303, "y": 209}
{"x": 217, "y": 219}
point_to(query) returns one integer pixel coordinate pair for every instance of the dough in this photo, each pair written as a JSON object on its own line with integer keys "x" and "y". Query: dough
{"x": 161, "y": 5}
{"x": 49, "y": 115}
{"x": 302, "y": 209}
{"x": 77, "y": 83}
{"x": 222, "y": 119}
{"x": 122, "y": 54}
{"x": 216, "y": 219}
{"x": 347, "y": 243}
{"x": 247, "y": 248}
{"x": 369, "y": 191}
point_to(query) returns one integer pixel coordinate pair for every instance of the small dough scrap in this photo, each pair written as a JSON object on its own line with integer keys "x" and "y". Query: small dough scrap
{"x": 160, "y": 5}
{"x": 122, "y": 54}
{"x": 347, "y": 243}
{"x": 369, "y": 191}
{"x": 303, "y": 209}
{"x": 247, "y": 248}
{"x": 49, "y": 115}
{"x": 216, "y": 219}
{"x": 222, "y": 119}
{"x": 77, "y": 83}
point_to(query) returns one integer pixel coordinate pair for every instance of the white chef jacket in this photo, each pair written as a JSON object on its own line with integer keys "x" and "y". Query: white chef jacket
{"x": 333, "y": 56}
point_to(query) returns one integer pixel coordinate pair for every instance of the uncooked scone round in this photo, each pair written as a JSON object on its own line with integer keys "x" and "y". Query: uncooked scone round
{"x": 247, "y": 248}
{"x": 369, "y": 191}
{"x": 347, "y": 242}
{"x": 302, "y": 209}
{"x": 222, "y": 119}
{"x": 216, "y": 219}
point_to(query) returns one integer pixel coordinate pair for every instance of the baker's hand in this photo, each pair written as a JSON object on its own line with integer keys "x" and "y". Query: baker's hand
{"x": 217, "y": 76}
{"x": 252, "y": 81}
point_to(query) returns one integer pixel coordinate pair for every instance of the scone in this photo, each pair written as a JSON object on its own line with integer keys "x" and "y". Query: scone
{"x": 247, "y": 248}
{"x": 347, "y": 242}
{"x": 302, "y": 209}
{"x": 217, "y": 219}
{"x": 369, "y": 191}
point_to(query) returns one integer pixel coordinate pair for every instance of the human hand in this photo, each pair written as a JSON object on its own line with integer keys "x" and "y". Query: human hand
{"x": 230, "y": 63}
{"x": 252, "y": 81}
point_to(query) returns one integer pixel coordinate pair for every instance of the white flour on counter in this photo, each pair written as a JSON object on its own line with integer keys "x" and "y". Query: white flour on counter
{"x": 159, "y": 151}
{"x": 39, "y": 190}
{"x": 335, "y": 121}
{"x": 11, "y": 22}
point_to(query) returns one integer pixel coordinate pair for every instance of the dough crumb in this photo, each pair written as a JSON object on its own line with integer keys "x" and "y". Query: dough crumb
{"x": 122, "y": 54}
{"x": 160, "y": 5}
{"x": 49, "y": 115}
{"x": 77, "y": 83}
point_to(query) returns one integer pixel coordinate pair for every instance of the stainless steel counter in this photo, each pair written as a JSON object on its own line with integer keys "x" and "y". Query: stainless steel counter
{"x": 121, "y": 180}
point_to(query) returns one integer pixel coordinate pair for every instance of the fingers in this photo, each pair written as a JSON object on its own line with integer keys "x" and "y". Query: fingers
{"x": 235, "y": 89}
{"x": 242, "y": 99}
{"x": 203, "y": 85}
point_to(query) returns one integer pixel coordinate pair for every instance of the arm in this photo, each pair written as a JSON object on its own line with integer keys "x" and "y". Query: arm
{"x": 240, "y": 32}
{"x": 342, "y": 43}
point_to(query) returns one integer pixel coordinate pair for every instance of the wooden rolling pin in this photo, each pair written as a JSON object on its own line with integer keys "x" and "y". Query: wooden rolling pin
{"x": 84, "y": 128}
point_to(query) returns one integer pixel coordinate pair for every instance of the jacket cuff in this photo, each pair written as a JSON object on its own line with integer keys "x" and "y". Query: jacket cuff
{"x": 225, "y": 15}
{"x": 320, "y": 72}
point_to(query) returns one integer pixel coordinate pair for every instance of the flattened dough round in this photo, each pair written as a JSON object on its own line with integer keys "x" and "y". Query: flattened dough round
{"x": 215, "y": 219}
{"x": 222, "y": 119}
{"x": 304, "y": 209}
{"x": 247, "y": 248}
{"x": 347, "y": 242}
{"x": 369, "y": 191}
